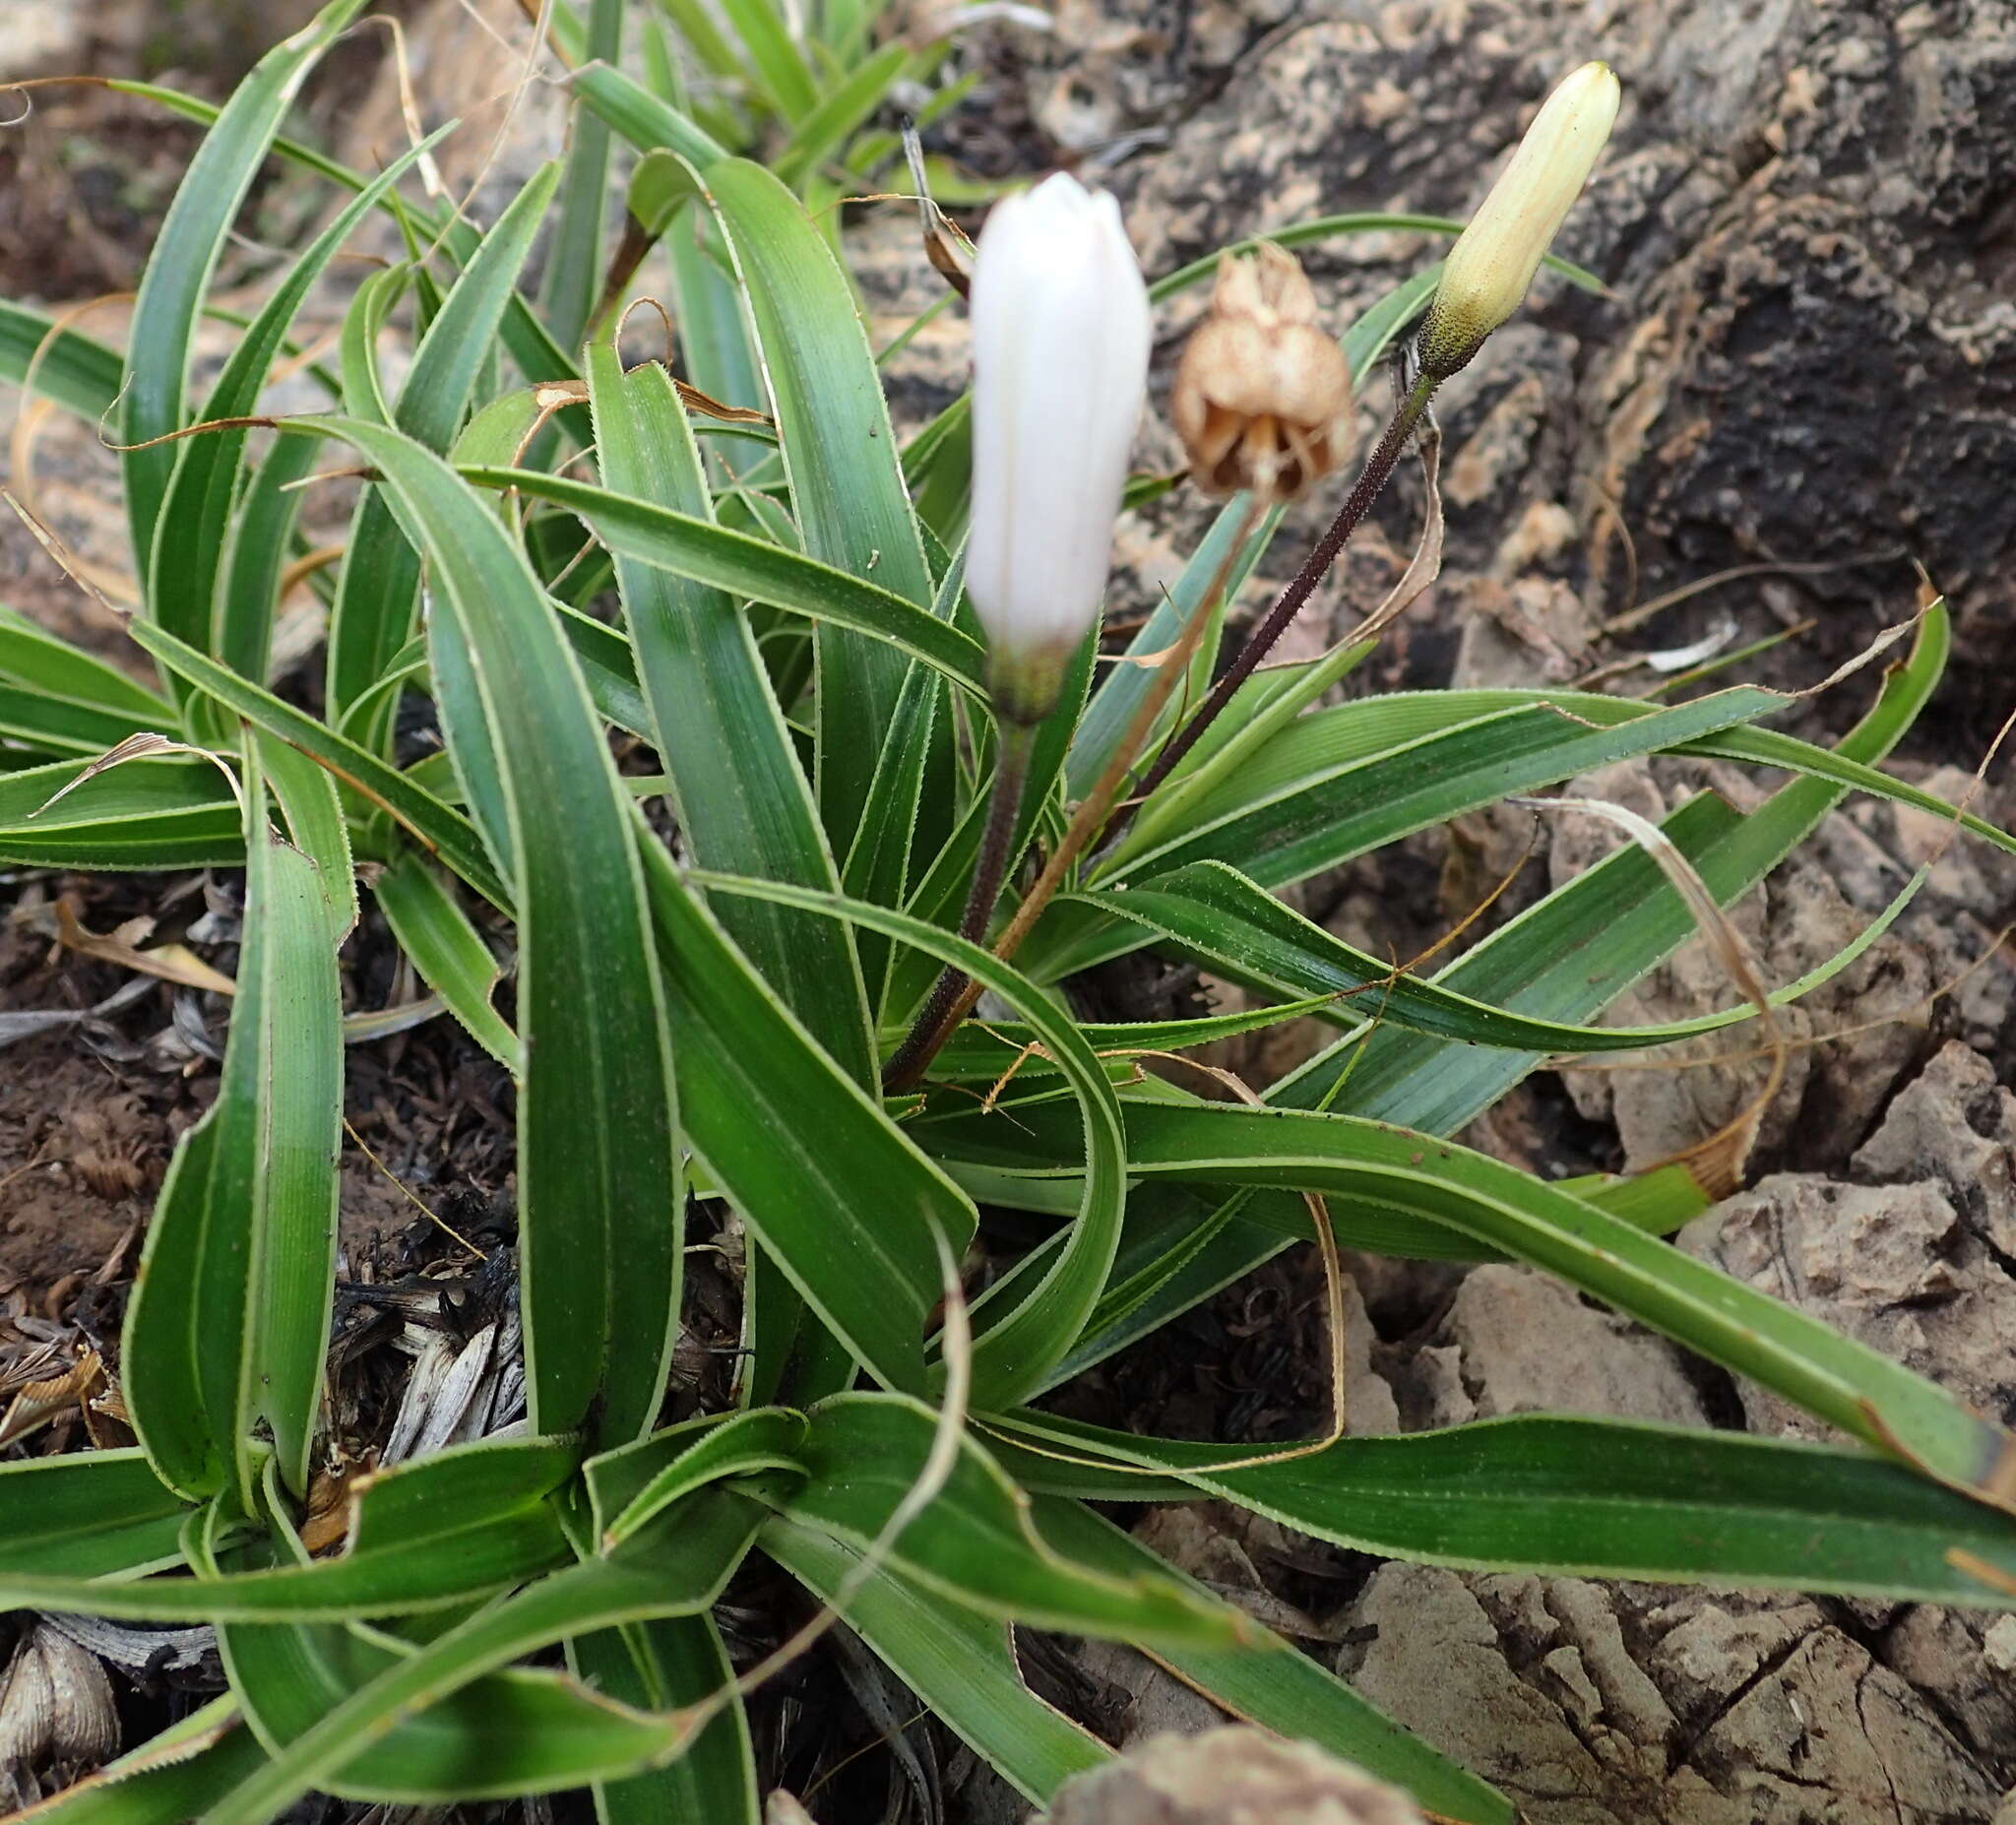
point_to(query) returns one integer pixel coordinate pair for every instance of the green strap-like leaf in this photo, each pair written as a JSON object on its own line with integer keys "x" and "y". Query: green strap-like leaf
{"x": 1593, "y": 1499}
{"x": 257, "y": 547}
{"x": 373, "y": 612}
{"x": 959, "y": 1662}
{"x": 987, "y": 1052}
{"x": 227, "y": 1325}
{"x": 755, "y": 569}
{"x": 1329, "y": 227}
{"x": 574, "y": 263}
{"x": 1326, "y": 741}
{"x": 839, "y": 111}
{"x": 1322, "y": 815}
{"x": 878, "y": 860}
{"x": 44, "y": 723}
{"x": 312, "y": 808}
{"x": 774, "y": 60}
{"x": 88, "y": 1515}
{"x": 743, "y": 805}
{"x": 448, "y": 1569}
{"x": 197, "y": 506}
{"x": 54, "y": 669}
{"x": 1844, "y": 1382}
{"x": 76, "y": 371}
{"x": 1577, "y": 950}
{"x": 448, "y": 951}
{"x": 442, "y": 831}
{"x": 412, "y": 1502}
{"x": 520, "y": 1730}
{"x": 840, "y": 461}
{"x": 631, "y": 1487}
{"x": 1214, "y": 913}
{"x": 714, "y": 334}
{"x": 659, "y": 1666}
{"x": 185, "y": 255}
{"x": 173, "y": 812}
{"x": 598, "y": 1158}
{"x": 647, "y": 122}
{"x": 676, "y": 1569}
{"x": 1021, "y": 1344}
{"x": 974, "y": 1543}
{"x": 850, "y": 1210}
{"x": 1126, "y": 685}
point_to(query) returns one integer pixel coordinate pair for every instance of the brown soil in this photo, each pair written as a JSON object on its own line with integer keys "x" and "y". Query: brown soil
{"x": 85, "y": 1133}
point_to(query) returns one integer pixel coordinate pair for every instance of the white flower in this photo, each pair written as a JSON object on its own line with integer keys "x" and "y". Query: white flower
{"x": 1060, "y": 335}
{"x": 1494, "y": 258}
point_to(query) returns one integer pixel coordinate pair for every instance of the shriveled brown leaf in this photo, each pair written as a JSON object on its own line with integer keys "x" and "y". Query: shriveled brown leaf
{"x": 172, "y": 963}
{"x": 1716, "y": 1163}
{"x": 36, "y": 1402}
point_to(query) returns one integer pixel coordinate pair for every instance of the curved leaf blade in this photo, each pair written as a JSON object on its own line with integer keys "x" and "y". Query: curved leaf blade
{"x": 743, "y": 807}
{"x": 598, "y": 1158}
{"x": 1566, "y": 1496}
{"x": 840, "y": 461}
{"x": 755, "y": 569}
{"x": 228, "y": 1321}
{"x": 185, "y": 255}
{"x": 1285, "y": 1691}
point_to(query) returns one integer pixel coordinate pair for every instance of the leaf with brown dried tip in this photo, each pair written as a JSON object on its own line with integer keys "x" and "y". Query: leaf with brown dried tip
{"x": 1716, "y": 1163}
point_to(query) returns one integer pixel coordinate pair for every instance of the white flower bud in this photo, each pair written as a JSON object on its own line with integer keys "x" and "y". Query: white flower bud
{"x": 1060, "y": 335}
{"x": 1488, "y": 270}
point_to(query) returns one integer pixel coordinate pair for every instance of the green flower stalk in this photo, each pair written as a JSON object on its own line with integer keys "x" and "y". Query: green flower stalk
{"x": 1061, "y": 345}
{"x": 1483, "y": 282}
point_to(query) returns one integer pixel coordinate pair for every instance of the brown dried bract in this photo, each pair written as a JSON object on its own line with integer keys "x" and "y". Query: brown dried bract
{"x": 1263, "y": 396}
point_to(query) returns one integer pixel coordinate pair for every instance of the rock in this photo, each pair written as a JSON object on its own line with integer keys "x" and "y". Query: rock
{"x": 1799, "y": 919}
{"x": 1957, "y": 1124}
{"x": 1435, "y": 1665}
{"x": 1892, "y": 1266}
{"x": 1910, "y": 1265}
{"x": 1627, "y": 1705}
{"x": 1830, "y": 1721}
{"x": 1702, "y": 1647}
{"x": 1530, "y": 630}
{"x": 1583, "y": 1665}
{"x": 1154, "y": 1701}
{"x": 1235, "y": 1775}
{"x": 1872, "y": 850}
{"x": 1517, "y": 1341}
{"x": 1796, "y": 214}
{"x": 464, "y": 59}
{"x": 1959, "y": 1661}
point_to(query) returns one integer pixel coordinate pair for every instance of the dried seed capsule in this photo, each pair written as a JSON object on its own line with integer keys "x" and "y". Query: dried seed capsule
{"x": 1262, "y": 395}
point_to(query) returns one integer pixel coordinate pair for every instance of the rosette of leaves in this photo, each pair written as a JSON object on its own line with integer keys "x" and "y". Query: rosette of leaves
{"x": 704, "y": 1021}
